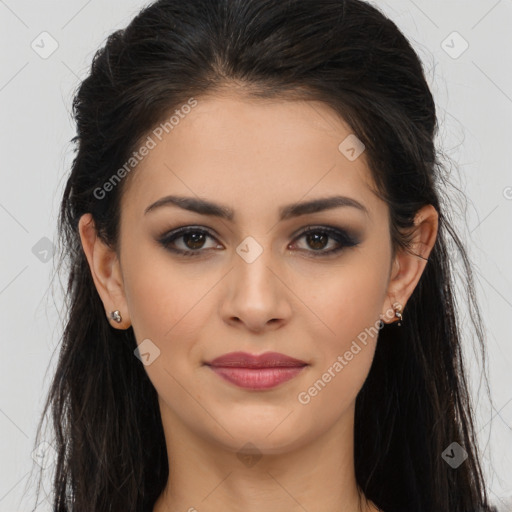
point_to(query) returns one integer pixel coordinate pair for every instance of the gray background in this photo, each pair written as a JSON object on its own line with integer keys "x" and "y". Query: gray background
{"x": 473, "y": 92}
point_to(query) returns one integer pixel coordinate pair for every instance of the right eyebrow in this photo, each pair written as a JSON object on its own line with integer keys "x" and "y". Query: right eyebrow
{"x": 205, "y": 207}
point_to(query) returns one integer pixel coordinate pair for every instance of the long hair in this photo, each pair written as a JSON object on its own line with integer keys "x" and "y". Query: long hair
{"x": 415, "y": 403}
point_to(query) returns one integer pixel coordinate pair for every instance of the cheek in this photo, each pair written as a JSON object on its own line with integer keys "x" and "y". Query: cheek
{"x": 168, "y": 305}
{"x": 348, "y": 308}
{"x": 162, "y": 296}
{"x": 346, "y": 299}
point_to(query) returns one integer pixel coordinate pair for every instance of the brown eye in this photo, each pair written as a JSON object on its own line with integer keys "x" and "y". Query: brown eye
{"x": 192, "y": 241}
{"x": 317, "y": 239}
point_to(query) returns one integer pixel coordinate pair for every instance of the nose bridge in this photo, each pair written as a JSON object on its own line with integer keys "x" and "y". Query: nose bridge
{"x": 253, "y": 257}
{"x": 255, "y": 292}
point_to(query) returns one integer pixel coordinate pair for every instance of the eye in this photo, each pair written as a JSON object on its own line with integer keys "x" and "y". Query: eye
{"x": 192, "y": 240}
{"x": 192, "y": 243}
{"x": 317, "y": 237}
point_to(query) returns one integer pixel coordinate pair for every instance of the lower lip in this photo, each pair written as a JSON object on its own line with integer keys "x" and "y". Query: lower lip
{"x": 257, "y": 378}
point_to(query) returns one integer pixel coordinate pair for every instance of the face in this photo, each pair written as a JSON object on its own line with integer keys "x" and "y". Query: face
{"x": 253, "y": 280}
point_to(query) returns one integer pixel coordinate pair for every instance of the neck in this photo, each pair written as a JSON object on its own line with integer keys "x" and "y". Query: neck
{"x": 317, "y": 476}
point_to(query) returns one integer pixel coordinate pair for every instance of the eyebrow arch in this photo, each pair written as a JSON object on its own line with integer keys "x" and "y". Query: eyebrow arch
{"x": 205, "y": 207}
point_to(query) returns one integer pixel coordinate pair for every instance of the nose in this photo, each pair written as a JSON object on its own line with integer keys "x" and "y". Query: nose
{"x": 257, "y": 296}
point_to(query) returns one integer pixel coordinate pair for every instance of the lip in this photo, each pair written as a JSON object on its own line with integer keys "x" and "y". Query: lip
{"x": 265, "y": 360}
{"x": 262, "y": 371}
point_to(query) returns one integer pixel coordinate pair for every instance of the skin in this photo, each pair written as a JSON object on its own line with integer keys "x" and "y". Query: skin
{"x": 255, "y": 156}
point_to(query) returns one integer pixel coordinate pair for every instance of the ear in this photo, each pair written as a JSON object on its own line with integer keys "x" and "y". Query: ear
{"x": 105, "y": 270}
{"x": 409, "y": 266}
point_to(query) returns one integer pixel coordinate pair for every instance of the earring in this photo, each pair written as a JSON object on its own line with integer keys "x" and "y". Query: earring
{"x": 116, "y": 316}
{"x": 398, "y": 314}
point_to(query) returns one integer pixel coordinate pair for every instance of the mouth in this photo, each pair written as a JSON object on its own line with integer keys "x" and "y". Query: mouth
{"x": 256, "y": 372}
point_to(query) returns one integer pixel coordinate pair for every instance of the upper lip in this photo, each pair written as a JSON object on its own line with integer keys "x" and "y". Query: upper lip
{"x": 265, "y": 360}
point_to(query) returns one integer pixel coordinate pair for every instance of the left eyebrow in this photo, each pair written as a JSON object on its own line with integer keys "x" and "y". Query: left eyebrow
{"x": 205, "y": 207}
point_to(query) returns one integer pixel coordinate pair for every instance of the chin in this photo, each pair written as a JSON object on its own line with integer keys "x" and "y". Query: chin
{"x": 270, "y": 437}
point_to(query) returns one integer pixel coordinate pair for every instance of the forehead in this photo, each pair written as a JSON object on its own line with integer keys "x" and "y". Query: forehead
{"x": 250, "y": 152}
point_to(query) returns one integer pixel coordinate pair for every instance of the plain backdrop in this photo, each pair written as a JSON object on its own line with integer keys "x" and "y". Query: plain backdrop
{"x": 465, "y": 49}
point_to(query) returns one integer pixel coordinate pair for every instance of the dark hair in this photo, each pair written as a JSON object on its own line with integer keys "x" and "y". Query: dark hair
{"x": 415, "y": 402}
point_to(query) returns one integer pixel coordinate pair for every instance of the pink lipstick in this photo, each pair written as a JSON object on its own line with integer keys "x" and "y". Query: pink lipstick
{"x": 262, "y": 371}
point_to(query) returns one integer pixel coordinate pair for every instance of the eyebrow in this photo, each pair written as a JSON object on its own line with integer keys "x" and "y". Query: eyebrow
{"x": 205, "y": 207}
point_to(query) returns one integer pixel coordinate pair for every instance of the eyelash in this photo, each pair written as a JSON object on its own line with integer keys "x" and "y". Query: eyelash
{"x": 340, "y": 236}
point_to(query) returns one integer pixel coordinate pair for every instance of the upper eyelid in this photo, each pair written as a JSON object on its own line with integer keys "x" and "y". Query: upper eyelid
{"x": 184, "y": 229}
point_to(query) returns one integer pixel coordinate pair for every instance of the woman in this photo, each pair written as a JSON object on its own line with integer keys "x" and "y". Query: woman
{"x": 261, "y": 310}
